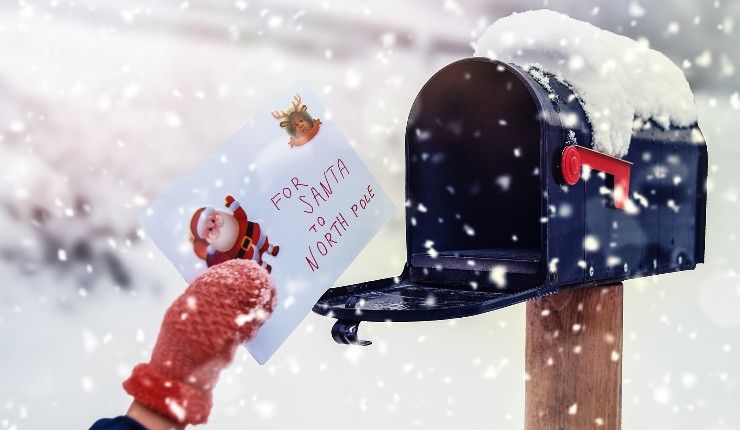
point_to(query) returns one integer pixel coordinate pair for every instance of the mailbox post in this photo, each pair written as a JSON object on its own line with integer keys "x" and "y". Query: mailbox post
{"x": 573, "y": 359}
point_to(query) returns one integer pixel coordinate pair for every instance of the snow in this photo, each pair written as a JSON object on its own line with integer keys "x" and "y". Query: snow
{"x": 104, "y": 77}
{"x": 616, "y": 78}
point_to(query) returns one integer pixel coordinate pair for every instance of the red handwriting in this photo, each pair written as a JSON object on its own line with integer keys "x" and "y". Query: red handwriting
{"x": 364, "y": 201}
{"x": 312, "y": 196}
{"x": 333, "y": 230}
{"x": 329, "y": 239}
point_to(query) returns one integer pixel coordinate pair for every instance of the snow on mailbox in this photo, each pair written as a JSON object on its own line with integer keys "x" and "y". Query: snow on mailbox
{"x": 509, "y": 198}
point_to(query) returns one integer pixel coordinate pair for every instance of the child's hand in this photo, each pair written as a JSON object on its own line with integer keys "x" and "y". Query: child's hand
{"x": 200, "y": 332}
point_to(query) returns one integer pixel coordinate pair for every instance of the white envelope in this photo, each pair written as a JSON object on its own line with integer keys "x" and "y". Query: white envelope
{"x": 301, "y": 191}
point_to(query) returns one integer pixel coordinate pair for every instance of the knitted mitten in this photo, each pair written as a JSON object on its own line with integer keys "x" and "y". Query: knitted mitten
{"x": 200, "y": 332}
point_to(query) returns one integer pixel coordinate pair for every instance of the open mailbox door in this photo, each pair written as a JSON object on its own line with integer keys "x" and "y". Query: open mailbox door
{"x": 496, "y": 213}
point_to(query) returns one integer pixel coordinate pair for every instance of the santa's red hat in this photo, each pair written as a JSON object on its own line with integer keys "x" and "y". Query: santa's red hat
{"x": 197, "y": 229}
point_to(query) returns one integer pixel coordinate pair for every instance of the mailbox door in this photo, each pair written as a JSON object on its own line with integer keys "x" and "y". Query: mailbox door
{"x": 475, "y": 200}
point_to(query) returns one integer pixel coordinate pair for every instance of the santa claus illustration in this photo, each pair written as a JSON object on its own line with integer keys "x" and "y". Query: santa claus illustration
{"x": 219, "y": 236}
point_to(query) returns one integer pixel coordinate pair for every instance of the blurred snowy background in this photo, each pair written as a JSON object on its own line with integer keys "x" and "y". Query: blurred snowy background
{"x": 105, "y": 103}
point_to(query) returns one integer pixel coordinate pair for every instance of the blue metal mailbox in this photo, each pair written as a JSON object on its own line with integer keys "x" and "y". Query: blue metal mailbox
{"x": 499, "y": 209}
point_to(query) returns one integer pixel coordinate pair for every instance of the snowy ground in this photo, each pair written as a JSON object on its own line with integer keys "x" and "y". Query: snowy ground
{"x": 105, "y": 104}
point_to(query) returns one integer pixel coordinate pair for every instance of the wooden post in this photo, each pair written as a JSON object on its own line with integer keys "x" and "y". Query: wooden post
{"x": 574, "y": 359}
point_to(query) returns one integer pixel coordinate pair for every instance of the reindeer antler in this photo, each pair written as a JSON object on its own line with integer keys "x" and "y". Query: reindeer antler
{"x": 278, "y": 114}
{"x": 297, "y": 102}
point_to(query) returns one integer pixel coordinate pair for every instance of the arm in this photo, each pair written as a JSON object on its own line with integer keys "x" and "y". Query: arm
{"x": 233, "y": 205}
{"x": 138, "y": 417}
{"x": 150, "y": 419}
{"x": 174, "y": 388}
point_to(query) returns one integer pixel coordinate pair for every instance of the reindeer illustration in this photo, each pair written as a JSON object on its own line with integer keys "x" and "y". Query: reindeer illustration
{"x": 298, "y": 122}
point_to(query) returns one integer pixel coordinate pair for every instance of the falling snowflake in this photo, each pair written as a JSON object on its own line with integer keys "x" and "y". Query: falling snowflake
{"x": 498, "y": 276}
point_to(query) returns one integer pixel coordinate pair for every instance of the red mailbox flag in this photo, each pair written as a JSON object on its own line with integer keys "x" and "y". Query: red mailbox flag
{"x": 576, "y": 156}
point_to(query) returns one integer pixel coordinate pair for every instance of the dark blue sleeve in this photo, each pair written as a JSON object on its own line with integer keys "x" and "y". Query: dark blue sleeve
{"x": 117, "y": 423}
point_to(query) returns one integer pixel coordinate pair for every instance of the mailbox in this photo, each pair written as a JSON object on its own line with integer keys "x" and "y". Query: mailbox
{"x": 507, "y": 201}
